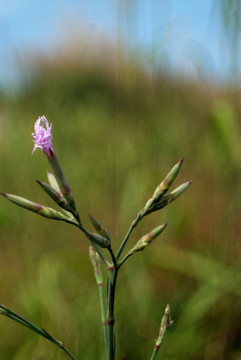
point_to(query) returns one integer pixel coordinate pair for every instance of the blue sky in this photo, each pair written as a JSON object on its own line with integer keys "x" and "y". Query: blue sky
{"x": 185, "y": 35}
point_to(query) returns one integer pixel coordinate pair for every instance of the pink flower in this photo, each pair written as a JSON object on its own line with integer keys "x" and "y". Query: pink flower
{"x": 42, "y": 136}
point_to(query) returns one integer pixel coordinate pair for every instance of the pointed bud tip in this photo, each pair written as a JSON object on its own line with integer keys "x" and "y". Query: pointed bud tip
{"x": 167, "y": 310}
{"x": 190, "y": 182}
{"x": 180, "y": 162}
{"x": 3, "y": 194}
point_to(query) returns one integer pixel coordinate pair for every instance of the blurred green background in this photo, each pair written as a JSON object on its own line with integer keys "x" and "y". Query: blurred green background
{"x": 118, "y": 128}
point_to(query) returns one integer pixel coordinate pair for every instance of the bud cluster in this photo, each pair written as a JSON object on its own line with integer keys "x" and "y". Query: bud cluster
{"x": 58, "y": 188}
{"x": 160, "y": 198}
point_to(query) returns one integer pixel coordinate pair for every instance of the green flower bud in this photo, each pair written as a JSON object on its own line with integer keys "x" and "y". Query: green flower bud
{"x": 99, "y": 240}
{"x": 167, "y": 182}
{"x": 173, "y": 195}
{"x": 55, "y": 195}
{"x": 148, "y": 238}
{"x": 164, "y": 186}
{"x": 99, "y": 227}
{"x": 37, "y": 208}
{"x": 179, "y": 190}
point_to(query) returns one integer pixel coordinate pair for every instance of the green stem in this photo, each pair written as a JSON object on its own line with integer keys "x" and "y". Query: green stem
{"x": 121, "y": 262}
{"x": 103, "y": 316}
{"x": 157, "y": 347}
{"x": 19, "y": 319}
{"x": 112, "y": 278}
{"x": 133, "y": 225}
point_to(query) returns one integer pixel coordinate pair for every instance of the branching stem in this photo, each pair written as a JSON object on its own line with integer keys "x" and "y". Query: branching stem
{"x": 17, "y": 318}
{"x": 133, "y": 225}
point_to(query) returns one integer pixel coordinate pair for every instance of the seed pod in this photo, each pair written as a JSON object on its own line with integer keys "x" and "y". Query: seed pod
{"x": 99, "y": 227}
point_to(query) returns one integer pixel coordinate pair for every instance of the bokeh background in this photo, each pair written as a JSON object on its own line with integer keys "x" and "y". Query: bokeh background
{"x": 130, "y": 87}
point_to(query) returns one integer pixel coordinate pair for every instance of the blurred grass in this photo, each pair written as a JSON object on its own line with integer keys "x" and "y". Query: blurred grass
{"x": 117, "y": 132}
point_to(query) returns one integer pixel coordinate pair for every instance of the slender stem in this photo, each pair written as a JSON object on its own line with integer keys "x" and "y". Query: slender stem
{"x": 17, "y": 318}
{"x": 103, "y": 316}
{"x": 121, "y": 262}
{"x": 157, "y": 347}
{"x": 112, "y": 278}
{"x": 154, "y": 354}
{"x": 133, "y": 225}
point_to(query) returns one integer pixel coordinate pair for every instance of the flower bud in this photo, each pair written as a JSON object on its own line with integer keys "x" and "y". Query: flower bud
{"x": 166, "y": 323}
{"x": 99, "y": 227}
{"x": 148, "y": 238}
{"x": 59, "y": 199}
{"x": 99, "y": 240}
{"x": 164, "y": 186}
{"x": 37, "y": 208}
{"x": 167, "y": 182}
{"x": 173, "y": 195}
{"x": 179, "y": 190}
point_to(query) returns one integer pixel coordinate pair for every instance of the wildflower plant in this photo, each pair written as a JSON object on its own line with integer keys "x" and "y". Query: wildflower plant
{"x": 101, "y": 252}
